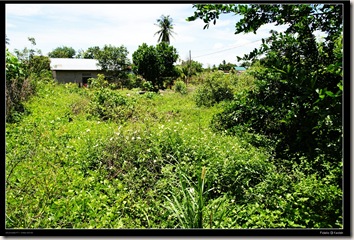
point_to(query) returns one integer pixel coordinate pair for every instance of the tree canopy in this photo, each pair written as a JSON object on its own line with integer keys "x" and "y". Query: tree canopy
{"x": 113, "y": 60}
{"x": 90, "y": 53}
{"x": 62, "y": 52}
{"x": 298, "y": 100}
{"x": 155, "y": 63}
{"x": 189, "y": 68}
{"x": 226, "y": 66}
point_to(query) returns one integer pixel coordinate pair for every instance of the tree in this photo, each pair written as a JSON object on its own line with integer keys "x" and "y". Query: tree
{"x": 90, "y": 53}
{"x": 156, "y": 63}
{"x": 168, "y": 56}
{"x": 62, "y": 52}
{"x": 166, "y": 27}
{"x": 297, "y": 104}
{"x": 298, "y": 100}
{"x": 18, "y": 88}
{"x": 113, "y": 60}
{"x": 13, "y": 68}
{"x": 226, "y": 66}
{"x": 25, "y": 55}
{"x": 147, "y": 63}
{"x": 190, "y": 68}
{"x": 39, "y": 65}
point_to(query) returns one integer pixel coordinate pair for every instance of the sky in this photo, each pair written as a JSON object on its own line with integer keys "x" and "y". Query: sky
{"x": 81, "y": 26}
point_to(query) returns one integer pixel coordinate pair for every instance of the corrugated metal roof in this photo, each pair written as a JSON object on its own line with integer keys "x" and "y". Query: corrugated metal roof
{"x": 73, "y": 64}
{"x": 240, "y": 69}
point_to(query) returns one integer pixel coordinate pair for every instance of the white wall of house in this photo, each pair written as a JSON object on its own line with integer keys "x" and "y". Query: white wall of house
{"x": 66, "y": 76}
{"x": 75, "y": 70}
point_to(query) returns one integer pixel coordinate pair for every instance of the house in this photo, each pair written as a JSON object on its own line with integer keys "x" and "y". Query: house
{"x": 240, "y": 69}
{"x": 75, "y": 70}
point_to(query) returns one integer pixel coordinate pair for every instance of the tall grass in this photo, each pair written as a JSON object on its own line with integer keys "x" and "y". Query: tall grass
{"x": 188, "y": 203}
{"x": 189, "y": 207}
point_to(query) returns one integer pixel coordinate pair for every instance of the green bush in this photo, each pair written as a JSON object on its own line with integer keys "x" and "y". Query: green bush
{"x": 180, "y": 87}
{"x": 99, "y": 82}
{"x": 14, "y": 68}
{"x": 20, "y": 85}
{"x": 134, "y": 81}
{"x": 217, "y": 87}
{"x": 297, "y": 103}
{"x": 147, "y": 86}
{"x": 39, "y": 66}
{"x": 298, "y": 200}
{"x": 18, "y": 88}
{"x": 109, "y": 104}
{"x": 289, "y": 117}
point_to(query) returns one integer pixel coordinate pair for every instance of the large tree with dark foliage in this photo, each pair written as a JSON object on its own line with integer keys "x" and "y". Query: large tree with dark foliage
{"x": 113, "y": 60}
{"x": 62, "y": 52}
{"x": 298, "y": 102}
{"x": 156, "y": 64}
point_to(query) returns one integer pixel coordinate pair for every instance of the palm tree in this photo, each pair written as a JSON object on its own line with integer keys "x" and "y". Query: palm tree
{"x": 166, "y": 26}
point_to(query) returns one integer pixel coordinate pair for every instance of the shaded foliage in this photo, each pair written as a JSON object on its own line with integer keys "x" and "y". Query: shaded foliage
{"x": 298, "y": 100}
{"x": 114, "y": 61}
{"x": 156, "y": 64}
{"x": 62, "y": 52}
{"x": 216, "y": 87}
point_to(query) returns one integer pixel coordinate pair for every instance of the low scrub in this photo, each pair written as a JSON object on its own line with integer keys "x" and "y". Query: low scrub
{"x": 107, "y": 104}
{"x": 165, "y": 169}
{"x": 217, "y": 87}
{"x": 180, "y": 87}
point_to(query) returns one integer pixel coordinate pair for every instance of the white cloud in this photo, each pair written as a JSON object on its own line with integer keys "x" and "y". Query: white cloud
{"x": 217, "y": 45}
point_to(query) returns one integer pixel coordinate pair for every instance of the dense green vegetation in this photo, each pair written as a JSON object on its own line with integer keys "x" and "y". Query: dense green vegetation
{"x": 260, "y": 149}
{"x": 62, "y": 52}
{"x": 156, "y": 64}
{"x": 297, "y": 104}
{"x": 103, "y": 158}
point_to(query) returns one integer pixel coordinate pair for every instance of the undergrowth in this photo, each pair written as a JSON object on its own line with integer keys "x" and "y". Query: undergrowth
{"x": 99, "y": 158}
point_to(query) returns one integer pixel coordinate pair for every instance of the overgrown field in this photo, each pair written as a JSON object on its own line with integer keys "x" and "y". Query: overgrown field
{"x": 102, "y": 158}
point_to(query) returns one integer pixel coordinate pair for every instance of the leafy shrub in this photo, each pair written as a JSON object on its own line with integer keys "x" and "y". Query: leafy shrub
{"x": 147, "y": 86}
{"x": 288, "y": 117}
{"x": 44, "y": 77}
{"x": 134, "y": 81}
{"x": 14, "y": 68}
{"x": 180, "y": 87}
{"x": 150, "y": 95}
{"x": 217, "y": 87}
{"x": 98, "y": 82}
{"x": 298, "y": 100}
{"x": 109, "y": 104}
{"x": 18, "y": 88}
{"x": 20, "y": 85}
{"x": 16, "y": 93}
{"x": 245, "y": 80}
{"x": 297, "y": 200}
{"x": 39, "y": 66}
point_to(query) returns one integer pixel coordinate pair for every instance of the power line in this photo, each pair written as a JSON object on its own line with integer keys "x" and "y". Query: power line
{"x": 227, "y": 49}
